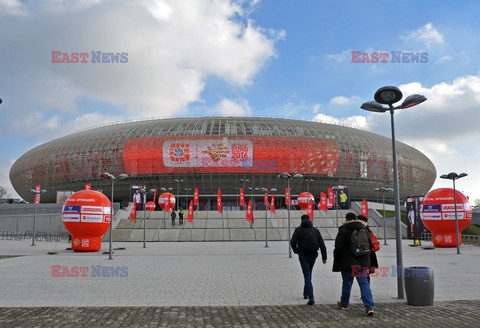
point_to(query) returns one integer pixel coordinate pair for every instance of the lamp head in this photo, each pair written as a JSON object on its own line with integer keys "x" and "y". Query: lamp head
{"x": 107, "y": 176}
{"x": 388, "y": 95}
{"x": 373, "y": 106}
{"x": 284, "y": 175}
{"x": 411, "y": 101}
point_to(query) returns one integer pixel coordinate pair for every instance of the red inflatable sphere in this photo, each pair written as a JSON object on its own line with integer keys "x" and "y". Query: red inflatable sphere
{"x": 150, "y": 206}
{"x": 438, "y": 216}
{"x": 86, "y": 216}
{"x": 166, "y": 201}
{"x": 303, "y": 200}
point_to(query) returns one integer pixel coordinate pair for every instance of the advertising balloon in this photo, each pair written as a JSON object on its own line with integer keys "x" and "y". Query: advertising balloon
{"x": 166, "y": 201}
{"x": 438, "y": 216}
{"x": 150, "y": 206}
{"x": 303, "y": 200}
{"x": 86, "y": 216}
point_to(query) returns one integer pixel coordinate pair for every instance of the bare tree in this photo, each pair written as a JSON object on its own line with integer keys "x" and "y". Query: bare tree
{"x": 4, "y": 192}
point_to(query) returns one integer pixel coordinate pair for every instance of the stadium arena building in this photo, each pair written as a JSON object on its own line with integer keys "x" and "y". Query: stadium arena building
{"x": 225, "y": 152}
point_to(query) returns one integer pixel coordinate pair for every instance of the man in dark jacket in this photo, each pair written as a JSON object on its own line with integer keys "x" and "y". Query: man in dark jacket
{"x": 373, "y": 255}
{"x": 351, "y": 265}
{"x": 305, "y": 256}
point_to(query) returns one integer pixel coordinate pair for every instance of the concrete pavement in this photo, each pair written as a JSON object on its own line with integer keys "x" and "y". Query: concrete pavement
{"x": 232, "y": 279}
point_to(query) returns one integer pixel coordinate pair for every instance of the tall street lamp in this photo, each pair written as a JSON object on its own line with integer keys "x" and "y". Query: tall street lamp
{"x": 266, "y": 214}
{"x": 289, "y": 177}
{"x": 389, "y": 95}
{"x": 109, "y": 176}
{"x": 36, "y": 192}
{"x": 383, "y": 190}
{"x": 454, "y": 176}
{"x": 178, "y": 191}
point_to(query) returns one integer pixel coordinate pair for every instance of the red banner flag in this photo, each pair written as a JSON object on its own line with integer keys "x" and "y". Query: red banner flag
{"x": 331, "y": 198}
{"x": 133, "y": 213}
{"x": 190, "y": 212}
{"x": 265, "y": 198}
{"x": 249, "y": 216}
{"x": 155, "y": 195}
{"x": 365, "y": 208}
{"x": 287, "y": 196}
{"x": 88, "y": 186}
{"x": 272, "y": 204}
{"x": 195, "y": 197}
{"x": 323, "y": 202}
{"x": 219, "y": 201}
{"x": 242, "y": 197}
{"x": 36, "y": 198}
{"x": 310, "y": 209}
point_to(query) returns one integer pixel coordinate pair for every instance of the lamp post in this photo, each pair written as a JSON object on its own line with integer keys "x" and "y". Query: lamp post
{"x": 36, "y": 191}
{"x": 266, "y": 216}
{"x": 383, "y": 190}
{"x": 109, "y": 176}
{"x": 178, "y": 191}
{"x": 389, "y": 95}
{"x": 289, "y": 177}
{"x": 454, "y": 176}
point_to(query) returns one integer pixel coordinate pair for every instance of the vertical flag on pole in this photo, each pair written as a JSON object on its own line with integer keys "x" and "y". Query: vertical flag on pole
{"x": 310, "y": 209}
{"x": 133, "y": 213}
{"x": 365, "y": 208}
{"x": 331, "y": 198}
{"x": 265, "y": 198}
{"x": 272, "y": 204}
{"x": 88, "y": 186}
{"x": 155, "y": 194}
{"x": 323, "y": 202}
{"x": 36, "y": 199}
{"x": 287, "y": 196}
{"x": 249, "y": 216}
{"x": 242, "y": 197}
{"x": 219, "y": 201}
{"x": 190, "y": 212}
{"x": 195, "y": 197}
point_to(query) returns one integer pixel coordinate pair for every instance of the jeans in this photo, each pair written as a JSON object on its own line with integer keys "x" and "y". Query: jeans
{"x": 365, "y": 290}
{"x": 307, "y": 267}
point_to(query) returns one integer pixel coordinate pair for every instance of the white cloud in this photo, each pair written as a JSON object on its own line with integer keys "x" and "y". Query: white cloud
{"x": 344, "y": 56}
{"x": 352, "y": 121}
{"x": 172, "y": 46}
{"x": 341, "y": 100}
{"x": 11, "y": 7}
{"x": 427, "y": 34}
{"x": 316, "y": 108}
{"x": 228, "y": 107}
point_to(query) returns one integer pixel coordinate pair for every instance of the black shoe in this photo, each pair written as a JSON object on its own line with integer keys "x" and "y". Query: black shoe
{"x": 310, "y": 302}
{"x": 369, "y": 312}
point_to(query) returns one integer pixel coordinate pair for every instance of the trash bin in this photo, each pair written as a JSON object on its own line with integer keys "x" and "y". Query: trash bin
{"x": 419, "y": 285}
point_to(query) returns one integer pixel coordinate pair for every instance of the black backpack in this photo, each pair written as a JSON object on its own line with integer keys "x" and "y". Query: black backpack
{"x": 359, "y": 243}
{"x": 308, "y": 241}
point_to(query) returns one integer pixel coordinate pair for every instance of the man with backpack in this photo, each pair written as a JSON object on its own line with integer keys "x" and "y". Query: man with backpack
{"x": 305, "y": 242}
{"x": 375, "y": 246}
{"x": 351, "y": 257}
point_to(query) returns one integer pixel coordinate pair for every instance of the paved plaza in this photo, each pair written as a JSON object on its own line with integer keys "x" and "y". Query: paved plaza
{"x": 217, "y": 284}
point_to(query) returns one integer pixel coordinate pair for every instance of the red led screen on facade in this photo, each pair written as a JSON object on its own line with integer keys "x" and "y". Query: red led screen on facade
{"x": 210, "y": 154}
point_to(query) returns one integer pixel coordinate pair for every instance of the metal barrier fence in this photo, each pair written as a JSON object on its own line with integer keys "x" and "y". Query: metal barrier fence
{"x": 40, "y": 236}
{"x": 466, "y": 239}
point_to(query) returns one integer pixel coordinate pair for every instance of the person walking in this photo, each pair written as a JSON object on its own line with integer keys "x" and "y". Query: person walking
{"x": 180, "y": 216}
{"x": 351, "y": 257}
{"x": 375, "y": 248}
{"x": 305, "y": 242}
{"x": 174, "y": 216}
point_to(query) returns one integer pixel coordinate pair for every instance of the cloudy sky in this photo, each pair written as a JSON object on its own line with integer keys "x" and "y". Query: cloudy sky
{"x": 269, "y": 58}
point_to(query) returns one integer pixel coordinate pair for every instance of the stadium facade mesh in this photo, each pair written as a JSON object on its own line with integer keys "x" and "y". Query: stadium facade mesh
{"x": 212, "y": 152}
